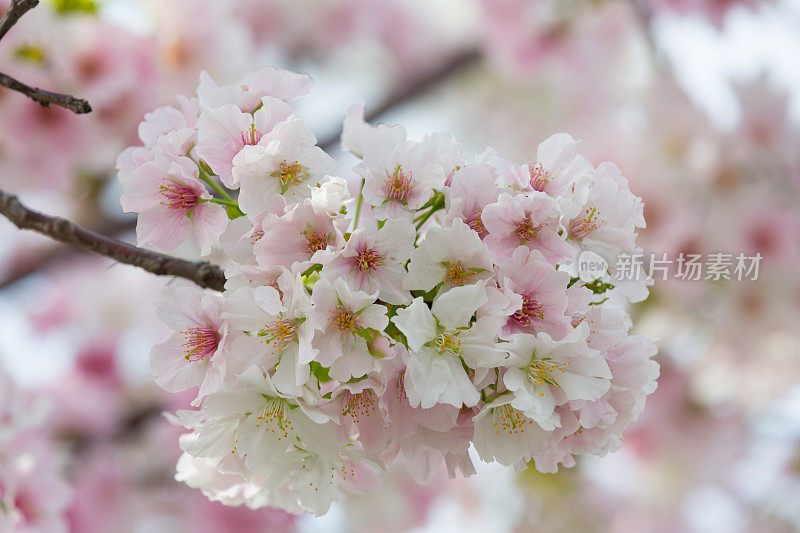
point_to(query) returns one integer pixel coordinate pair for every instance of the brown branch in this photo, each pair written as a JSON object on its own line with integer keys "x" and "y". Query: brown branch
{"x": 14, "y": 12}
{"x": 415, "y": 88}
{"x": 59, "y": 252}
{"x": 202, "y": 273}
{"x": 130, "y": 426}
{"x": 44, "y": 98}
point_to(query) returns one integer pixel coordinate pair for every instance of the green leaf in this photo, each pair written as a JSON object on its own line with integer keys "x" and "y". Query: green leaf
{"x": 233, "y": 212}
{"x": 598, "y": 286}
{"x": 320, "y": 372}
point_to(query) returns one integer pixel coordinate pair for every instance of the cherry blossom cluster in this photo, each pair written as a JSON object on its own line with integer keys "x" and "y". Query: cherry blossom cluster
{"x": 33, "y": 493}
{"x": 427, "y": 304}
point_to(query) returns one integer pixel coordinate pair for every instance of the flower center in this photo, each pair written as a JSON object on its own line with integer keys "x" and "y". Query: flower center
{"x": 526, "y": 231}
{"x": 289, "y": 175}
{"x": 402, "y": 396}
{"x": 274, "y": 420}
{"x": 475, "y": 222}
{"x": 540, "y": 176}
{"x": 315, "y": 240}
{"x": 251, "y": 137}
{"x": 177, "y": 195}
{"x": 510, "y": 421}
{"x": 448, "y": 342}
{"x": 398, "y": 185}
{"x": 199, "y": 343}
{"x": 456, "y": 275}
{"x": 358, "y": 405}
{"x": 256, "y": 235}
{"x": 541, "y": 371}
{"x": 344, "y": 320}
{"x": 279, "y": 334}
{"x": 588, "y": 221}
{"x": 368, "y": 260}
{"x": 530, "y": 312}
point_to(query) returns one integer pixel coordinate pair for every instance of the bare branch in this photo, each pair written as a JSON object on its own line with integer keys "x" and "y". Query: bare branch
{"x": 415, "y": 88}
{"x": 59, "y": 252}
{"x": 14, "y": 12}
{"x": 44, "y": 98}
{"x": 203, "y": 273}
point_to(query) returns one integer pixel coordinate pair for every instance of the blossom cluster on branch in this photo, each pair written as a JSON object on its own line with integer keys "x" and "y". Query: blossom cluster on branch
{"x": 434, "y": 307}
{"x": 32, "y": 486}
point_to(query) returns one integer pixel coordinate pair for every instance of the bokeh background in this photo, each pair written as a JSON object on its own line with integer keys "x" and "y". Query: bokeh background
{"x": 697, "y": 101}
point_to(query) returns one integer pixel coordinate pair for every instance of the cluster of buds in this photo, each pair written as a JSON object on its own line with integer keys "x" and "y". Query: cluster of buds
{"x": 427, "y": 307}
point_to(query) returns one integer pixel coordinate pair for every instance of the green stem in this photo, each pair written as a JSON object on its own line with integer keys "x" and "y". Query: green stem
{"x": 419, "y": 216}
{"x": 214, "y": 185}
{"x": 358, "y": 204}
{"x": 221, "y": 201}
{"x": 437, "y": 205}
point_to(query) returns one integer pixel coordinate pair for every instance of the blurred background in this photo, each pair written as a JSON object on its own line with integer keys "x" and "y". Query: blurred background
{"x": 697, "y": 101}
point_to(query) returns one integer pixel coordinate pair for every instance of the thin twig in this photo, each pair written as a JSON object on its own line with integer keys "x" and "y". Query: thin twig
{"x": 60, "y": 252}
{"x": 44, "y": 98}
{"x": 202, "y": 273}
{"x": 14, "y": 12}
{"x": 415, "y": 88}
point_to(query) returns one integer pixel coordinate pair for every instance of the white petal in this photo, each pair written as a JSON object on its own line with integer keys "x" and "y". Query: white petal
{"x": 417, "y": 324}
{"x": 455, "y": 308}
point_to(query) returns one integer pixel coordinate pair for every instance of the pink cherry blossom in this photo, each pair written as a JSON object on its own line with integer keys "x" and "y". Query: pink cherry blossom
{"x": 452, "y": 257}
{"x": 603, "y": 211}
{"x": 286, "y": 163}
{"x": 543, "y": 373}
{"x": 247, "y": 95}
{"x": 298, "y": 238}
{"x": 608, "y": 324}
{"x": 223, "y": 132}
{"x": 472, "y": 188}
{"x": 374, "y": 260}
{"x": 33, "y": 493}
{"x": 506, "y": 435}
{"x": 554, "y": 170}
{"x": 440, "y": 339}
{"x": 270, "y": 328}
{"x": 361, "y": 415}
{"x": 175, "y": 130}
{"x": 343, "y": 317}
{"x": 538, "y": 292}
{"x": 195, "y": 354}
{"x": 173, "y": 205}
{"x": 398, "y": 176}
{"x": 531, "y": 220}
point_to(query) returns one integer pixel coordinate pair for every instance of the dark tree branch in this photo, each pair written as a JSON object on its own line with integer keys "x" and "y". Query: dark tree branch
{"x": 59, "y": 252}
{"x": 44, "y": 98}
{"x": 415, "y": 88}
{"x": 14, "y": 12}
{"x": 202, "y": 273}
